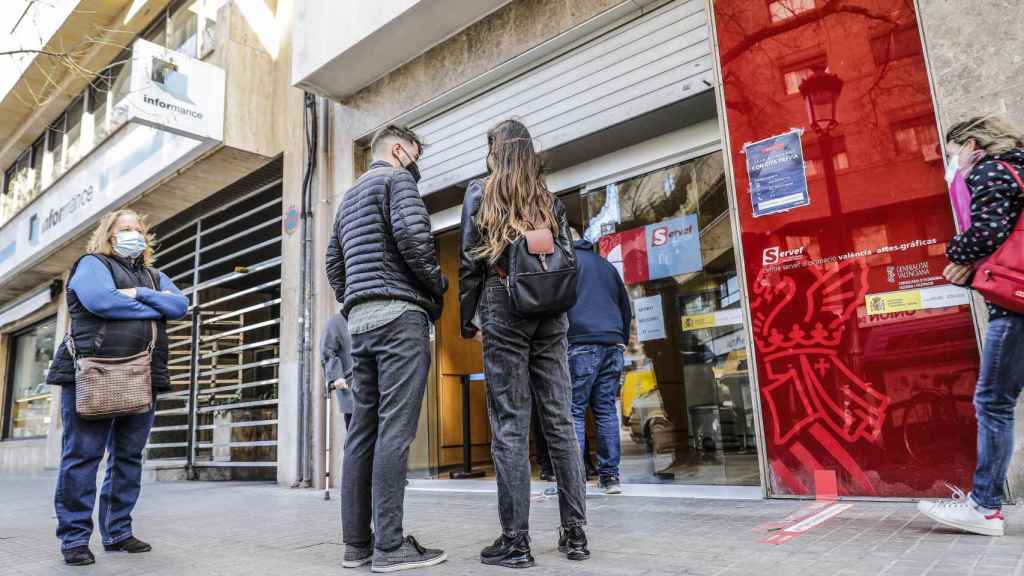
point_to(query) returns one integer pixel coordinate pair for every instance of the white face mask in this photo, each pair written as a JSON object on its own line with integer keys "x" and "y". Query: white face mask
{"x": 129, "y": 243}
{"x": 952, "y": 166}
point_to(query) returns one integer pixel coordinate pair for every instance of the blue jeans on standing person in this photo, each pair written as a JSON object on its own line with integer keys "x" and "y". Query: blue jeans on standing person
{"x": 84, "y": 442}
{"x": 596, "y": 372}
{"x": 995, "y": 397}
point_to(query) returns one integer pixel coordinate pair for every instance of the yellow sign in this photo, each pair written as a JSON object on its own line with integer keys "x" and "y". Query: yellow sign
{"x": 699, "y": 322}
{"x": 636, "y": 384}
{"x": 905, "y": 301}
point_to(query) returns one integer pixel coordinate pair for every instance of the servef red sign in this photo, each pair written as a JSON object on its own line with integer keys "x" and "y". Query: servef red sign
{"x": 668, "y": 248}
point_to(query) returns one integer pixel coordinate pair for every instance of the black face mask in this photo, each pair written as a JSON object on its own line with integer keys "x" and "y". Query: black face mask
{"x": 412, "y": 167}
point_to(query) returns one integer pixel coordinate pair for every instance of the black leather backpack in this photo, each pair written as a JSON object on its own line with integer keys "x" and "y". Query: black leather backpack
{"x": 542, "y": 276}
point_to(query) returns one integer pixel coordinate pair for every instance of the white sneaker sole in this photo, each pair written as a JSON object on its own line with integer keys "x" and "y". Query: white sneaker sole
{"x": 410, "y": 565}
{"x": 356, "y": 563}
{"x": 982, "y": 530}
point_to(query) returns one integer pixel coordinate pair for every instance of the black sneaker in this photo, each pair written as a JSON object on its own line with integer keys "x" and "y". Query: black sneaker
{"x": 406, "y": 557}
{"x": 356, "y": 556}
{"x": 508, "y": 552}
{"x": 131, "y": 545}
{"x": 573, "y": 543}
{"x": 609, "y": 485}
{"x": 80, "y": 556}
{"x": 547, "y": 476}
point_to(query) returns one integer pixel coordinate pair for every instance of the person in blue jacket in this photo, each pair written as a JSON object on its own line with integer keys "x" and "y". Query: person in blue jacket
{"x": 599, "y": 327}
{"x": 115, "y": 299}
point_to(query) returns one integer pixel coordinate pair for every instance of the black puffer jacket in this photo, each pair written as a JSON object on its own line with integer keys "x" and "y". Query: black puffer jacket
{"x": 473, "y": 271}
{"x": 382, "y": 248}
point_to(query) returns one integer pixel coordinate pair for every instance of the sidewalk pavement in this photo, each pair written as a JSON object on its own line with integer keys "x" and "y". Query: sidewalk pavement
{"x": 229, "y": 529}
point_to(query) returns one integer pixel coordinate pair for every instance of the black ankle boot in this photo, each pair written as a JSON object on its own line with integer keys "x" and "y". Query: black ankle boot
{"x": 80, "y": 556}
{"x": 132, "y": 545}
{"x": 508, "y": 552}
{"x": 573, "y": 543}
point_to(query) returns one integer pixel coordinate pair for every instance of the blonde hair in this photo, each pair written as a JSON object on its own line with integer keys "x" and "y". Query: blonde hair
{"x": 99, "y": 242}
{"x": 993, "y": 133}
{"x": 515, "y": 199}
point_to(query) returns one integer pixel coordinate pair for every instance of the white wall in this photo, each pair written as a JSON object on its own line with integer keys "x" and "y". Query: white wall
{"x": 343, "y": 45}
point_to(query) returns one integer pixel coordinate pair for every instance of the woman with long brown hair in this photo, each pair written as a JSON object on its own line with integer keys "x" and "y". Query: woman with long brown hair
{"x": 525, "y": 357}
{"x": 116, "y": 299}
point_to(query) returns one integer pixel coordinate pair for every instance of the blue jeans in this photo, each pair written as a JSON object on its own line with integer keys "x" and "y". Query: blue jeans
{"x": 995, "y": 397}
{"x": 596, "y": 372}
{"x": 84, "y": 442}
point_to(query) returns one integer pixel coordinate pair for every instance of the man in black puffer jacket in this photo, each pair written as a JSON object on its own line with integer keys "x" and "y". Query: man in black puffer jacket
{"x": 382, "y": 264}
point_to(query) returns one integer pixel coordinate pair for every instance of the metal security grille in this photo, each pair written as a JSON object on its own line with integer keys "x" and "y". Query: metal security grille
{"x": 225, "y": 255}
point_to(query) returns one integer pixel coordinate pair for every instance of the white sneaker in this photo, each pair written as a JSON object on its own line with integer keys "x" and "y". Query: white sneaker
{"x": 961, "y": 512}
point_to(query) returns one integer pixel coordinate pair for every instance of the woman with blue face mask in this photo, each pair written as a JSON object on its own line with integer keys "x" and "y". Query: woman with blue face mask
{"x": 115, "y": 300}
{"x": 986, "y": 165}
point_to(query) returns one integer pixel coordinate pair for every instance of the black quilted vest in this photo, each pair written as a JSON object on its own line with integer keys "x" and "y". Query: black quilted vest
{"x": 95, "y": 336}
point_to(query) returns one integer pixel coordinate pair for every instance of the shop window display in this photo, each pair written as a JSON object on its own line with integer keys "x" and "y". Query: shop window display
{"x": 685, "y": 404}
{"x": 28, "y": 412}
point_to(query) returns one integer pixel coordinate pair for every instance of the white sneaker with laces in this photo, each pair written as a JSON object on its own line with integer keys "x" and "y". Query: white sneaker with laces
{"x": 963, "y": 513}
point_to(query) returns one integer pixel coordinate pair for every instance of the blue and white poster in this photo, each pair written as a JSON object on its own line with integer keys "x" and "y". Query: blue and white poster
{"x": 673, "y": 247}
{"x": 778, "y": 181}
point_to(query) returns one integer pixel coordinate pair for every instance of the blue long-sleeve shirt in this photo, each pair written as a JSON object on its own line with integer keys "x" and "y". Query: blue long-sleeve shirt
{"x": 94, "y": 285}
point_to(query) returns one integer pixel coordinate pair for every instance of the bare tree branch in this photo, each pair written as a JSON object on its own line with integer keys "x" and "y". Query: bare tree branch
{"x": 829, "y": 8}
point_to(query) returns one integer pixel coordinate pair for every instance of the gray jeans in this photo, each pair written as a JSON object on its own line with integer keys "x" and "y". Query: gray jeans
{"x": 526, "y": 359}
{"x": 390, "y": 372}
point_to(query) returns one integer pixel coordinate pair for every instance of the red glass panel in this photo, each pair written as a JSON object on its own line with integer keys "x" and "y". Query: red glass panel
{"x": 881, "y": 399}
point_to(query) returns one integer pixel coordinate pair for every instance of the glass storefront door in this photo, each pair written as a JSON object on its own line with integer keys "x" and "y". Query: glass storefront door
{"x": 685, "y": 405}
{"x": 28, "y": 411}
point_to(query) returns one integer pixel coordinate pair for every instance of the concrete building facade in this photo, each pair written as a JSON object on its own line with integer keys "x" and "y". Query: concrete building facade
{"x": 184, "y": 112}
{"x": 643, "y": 112}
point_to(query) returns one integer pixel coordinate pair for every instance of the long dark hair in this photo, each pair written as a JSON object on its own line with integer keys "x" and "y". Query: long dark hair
{"x": 515, "y": 198}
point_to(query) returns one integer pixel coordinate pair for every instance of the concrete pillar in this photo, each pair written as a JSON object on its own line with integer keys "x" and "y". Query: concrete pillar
{"x": 288, "y": 130}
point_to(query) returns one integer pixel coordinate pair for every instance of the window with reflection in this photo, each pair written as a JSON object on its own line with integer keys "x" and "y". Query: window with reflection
{"x": 686, "y": 410}
{"x": 28, "y": 402}
{"x": 183, "y": 30}
{"x": 853, "y": 381}
{"x": 55, "y": 149}
{"x": 99, "y": 96}
{"x": 36, "y": 168}
{"x": 785, "y": 9}
{"x": 75, "y": 144}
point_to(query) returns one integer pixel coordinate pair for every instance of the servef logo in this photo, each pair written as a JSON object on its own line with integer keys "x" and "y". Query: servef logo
{"x": 774, "y": 255}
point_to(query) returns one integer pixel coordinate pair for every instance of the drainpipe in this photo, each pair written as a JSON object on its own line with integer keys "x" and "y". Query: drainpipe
{"x": 305, "y": 291}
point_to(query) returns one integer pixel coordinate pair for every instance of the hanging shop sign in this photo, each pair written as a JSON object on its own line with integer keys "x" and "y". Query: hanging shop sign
{"x": 778, "y": 181}
{"x": 172, "y": 114}
{"x": 668, "y": 248}
{"x": 174, "y": 92}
